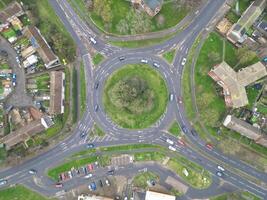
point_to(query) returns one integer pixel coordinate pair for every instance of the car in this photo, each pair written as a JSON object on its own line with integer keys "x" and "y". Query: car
{"x": 219, "y": 173}
{"x": 96, "y": 108}
{"x": 3, "y": 182}
{"x": 183, "y": 61}
{"x": 96, "y": 85}
{"x": 156, "y": 65}
{"x": 90, "y": 167}
{"x": 32, "y": 171}
{"x": 209, "y": 146}
{"x": 220, "y": 168}
{"x": 88, "y": 176}
{"x": 83, "y": 134}
{"x": 110, "y": 172}
{"x": 125, "y": 198}
{"x": 179, "y": 99}
{"x": 101, "y": 183}
{"x": 107, "y": 182}
{"x": 172, "y": 148}
{"x": 171, "y": 97}
{"x": 58, "y": 185}
{"x": 70, "y": 174}
{"x": 193, "y": 132}
{"x": 93, "y": 40}
{"x": 265, "y": 59}
{"x": 144, "y": 61}
{"x": 181, "y": 142}
{"x": 122, "y": 58}
{"x": 17, "y": 59}
{"x": 169, "y": 141}
{"x": 14, "y": 76}
{"x": 93, "y": 186}
{"x": 90, "y": 146}
{"x": 14, "y": 83}
{"x": 184, "y": 129}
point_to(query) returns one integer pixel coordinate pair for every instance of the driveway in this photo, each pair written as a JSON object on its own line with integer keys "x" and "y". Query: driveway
{"x": 19, "y": 97}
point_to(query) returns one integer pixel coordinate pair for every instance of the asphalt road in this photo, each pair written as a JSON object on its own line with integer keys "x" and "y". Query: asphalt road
{"x": 81, "y": 33}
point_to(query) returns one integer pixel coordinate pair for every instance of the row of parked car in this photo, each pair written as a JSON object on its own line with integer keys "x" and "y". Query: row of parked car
{"x": 102, "y": 183}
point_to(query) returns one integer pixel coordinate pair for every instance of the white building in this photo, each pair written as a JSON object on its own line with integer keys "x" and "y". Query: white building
{"x": 158, "y": 196}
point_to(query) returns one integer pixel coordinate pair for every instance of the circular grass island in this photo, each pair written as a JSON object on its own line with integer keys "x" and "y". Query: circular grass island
{"x": 135, "y": 96}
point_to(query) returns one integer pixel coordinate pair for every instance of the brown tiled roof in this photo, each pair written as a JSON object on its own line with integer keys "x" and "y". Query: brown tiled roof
{"x": 40, "y": 44}
{"x": 11, "y": 10}
{"x": 22, "y": 134}
{"x": 56, "y": 92}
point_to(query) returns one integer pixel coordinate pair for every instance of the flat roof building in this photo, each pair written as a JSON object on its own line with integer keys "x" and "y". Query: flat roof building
{"x": 39, "y": 43}
{"x": 57, "y": 92}
{"x": 158, "y": 196}
{"x": 234, "y": 83}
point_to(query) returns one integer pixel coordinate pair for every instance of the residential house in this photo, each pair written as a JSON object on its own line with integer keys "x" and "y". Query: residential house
{"x": 262, "y": 27}
{"x": 234, "y": 83}
{"x": 245, "y": 129}
{"x": 158, "y": 196}
{"x": 152, "y": 7}
{"x": 93, "y": 197}
{"x": 42, "y": 47}
{"x": 236, "y": 34}
{"x": 10, "y": 14}
{"x": 57, "y": 92}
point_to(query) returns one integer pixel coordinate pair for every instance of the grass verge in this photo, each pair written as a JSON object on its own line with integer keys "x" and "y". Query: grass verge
{"x": 169, "y": 56}
{"x": 98, "y": 58}
{"x": 82, "y": 89}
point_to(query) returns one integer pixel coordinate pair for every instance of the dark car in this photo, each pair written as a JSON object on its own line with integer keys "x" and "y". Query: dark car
{"x": 184, "y": 129}
{"x": 83, "y": 134}
{"x": 90, "y": 145}
{"x": 100, "y": 183}
{"x": 59, "y": 185}
{"x": 122, "y": 58}
{"x": 110, "y": 172}
{"x": 194, "y": 133}
{"x": 96, "y": 85}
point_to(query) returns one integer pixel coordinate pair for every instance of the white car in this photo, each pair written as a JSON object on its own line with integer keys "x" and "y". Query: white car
{"x": 88, "y": 176}
{"x": 172, "y": 148}
{"x": 170, "y": 141}
{"x": 156, "y": 65}
{"x": 220, "y": 168}
{"x": 93, "y": 40}
{"x": 171, "y": 97}
{"x": 144, "y": 61}
{"x": 183, "y": 61}
{"x": 107, "y": 182}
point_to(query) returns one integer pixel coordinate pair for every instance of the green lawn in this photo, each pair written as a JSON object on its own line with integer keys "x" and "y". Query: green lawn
{"x": 149, "y": 156}
{"x": 75, "y": 97}
{"x": 9, "y": 33}
{"x": 43, "y": 82}
{"x": 236, "y": 196}
{"x": 145, "y": 110}
{"x": 52, "y": 29}
{"x": 54, "y": 172}
{"x": 141, "y": 180}
{"x": 98, "y": 58}
{"x": 82, "y": 88}
{"x": 140, "y": 43}
{"x": 252, "y": 94}
{"x": 4, "y": 66}
{"x": 121, "y": 12}
{"x": 97, "y": 131}
{"x": 20, "y": 192}
{"x": 175, "y": 129}
{"x": 128, "y": 147}
{"x": 169, "y": 56}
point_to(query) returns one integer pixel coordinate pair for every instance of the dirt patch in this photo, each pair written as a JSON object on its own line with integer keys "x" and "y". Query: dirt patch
{"x": 177, "y": 185}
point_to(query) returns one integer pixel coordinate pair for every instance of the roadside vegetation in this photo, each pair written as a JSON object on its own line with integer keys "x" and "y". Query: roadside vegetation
{"x": 97, "y": 132}
{"x": 135, "y": 96}
{"x": 175, "y": 129}
{"x": 143, "y": 180}
{"x": 82, "y": 89}
{"x": 20, "y": 192}
{"x": 120, "y": 17}
{"x": 75, "y": 97}
{"x": 169, "y": 56}
{"x": 98, "y": 58}
{"x": 236, "y": 196}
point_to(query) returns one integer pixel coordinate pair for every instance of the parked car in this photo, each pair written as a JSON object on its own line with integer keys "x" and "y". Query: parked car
{"x": 88, "y": 176}
{"x": 144, "y": 61}
{"x": 265, "y": 59}
{"x": 93, "y": 40}
{"x": 70, "y": 174}
{"x": 220, "y": 168}
{"x": 59, "y": 185}
{"x": 32, "y": 171}
{"x": 183, "y": 61}
{"x": 107, "y": 182}
{"x": 122, "y": 58}
{"x": 90, "y": 167}
{"x": 3, "y": 182}
{"x": 209, "y": 146}
{"x": 172, "y": 148}
{"x": 156, "y": 65}
{"x": 92, "y": 186}
{"x": 90, "y": 145}
{"x": 101, "y": 183}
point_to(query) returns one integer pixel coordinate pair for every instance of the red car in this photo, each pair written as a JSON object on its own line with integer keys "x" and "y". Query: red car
{"x": 179, "y": 99}
{"x": 181, "y": 142}
{"x": 209, "y": 146}
{"x": 90, "y": 167}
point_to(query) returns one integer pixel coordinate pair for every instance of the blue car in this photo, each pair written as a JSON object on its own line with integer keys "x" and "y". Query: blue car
{"x": 93, "y": 186}
{"x": 265, "y": 59}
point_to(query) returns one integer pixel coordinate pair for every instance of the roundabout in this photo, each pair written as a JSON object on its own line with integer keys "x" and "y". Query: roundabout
{"x": 135, "y": 96}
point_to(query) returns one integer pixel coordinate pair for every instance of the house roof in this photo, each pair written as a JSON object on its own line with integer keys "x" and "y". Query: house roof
{"x": 158, "y": 196}
{"x": 22, "y": 133}
{"x": 242, "y": 127}
{"x": 56, "y": 92}
{"x": 40, "y": 44}
{"x": 11, "y": 10}
{"x": 153, "y": 4}
{"x": 234, "y": 83}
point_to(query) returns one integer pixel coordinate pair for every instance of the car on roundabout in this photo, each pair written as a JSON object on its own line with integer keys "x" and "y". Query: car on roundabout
{"x": 144, "y": 61}
{"x": 32, "y": 171}
{"x": 219, "y": 173}
{"x": 183, "y": 61}
{"x": 90, "y": 146}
